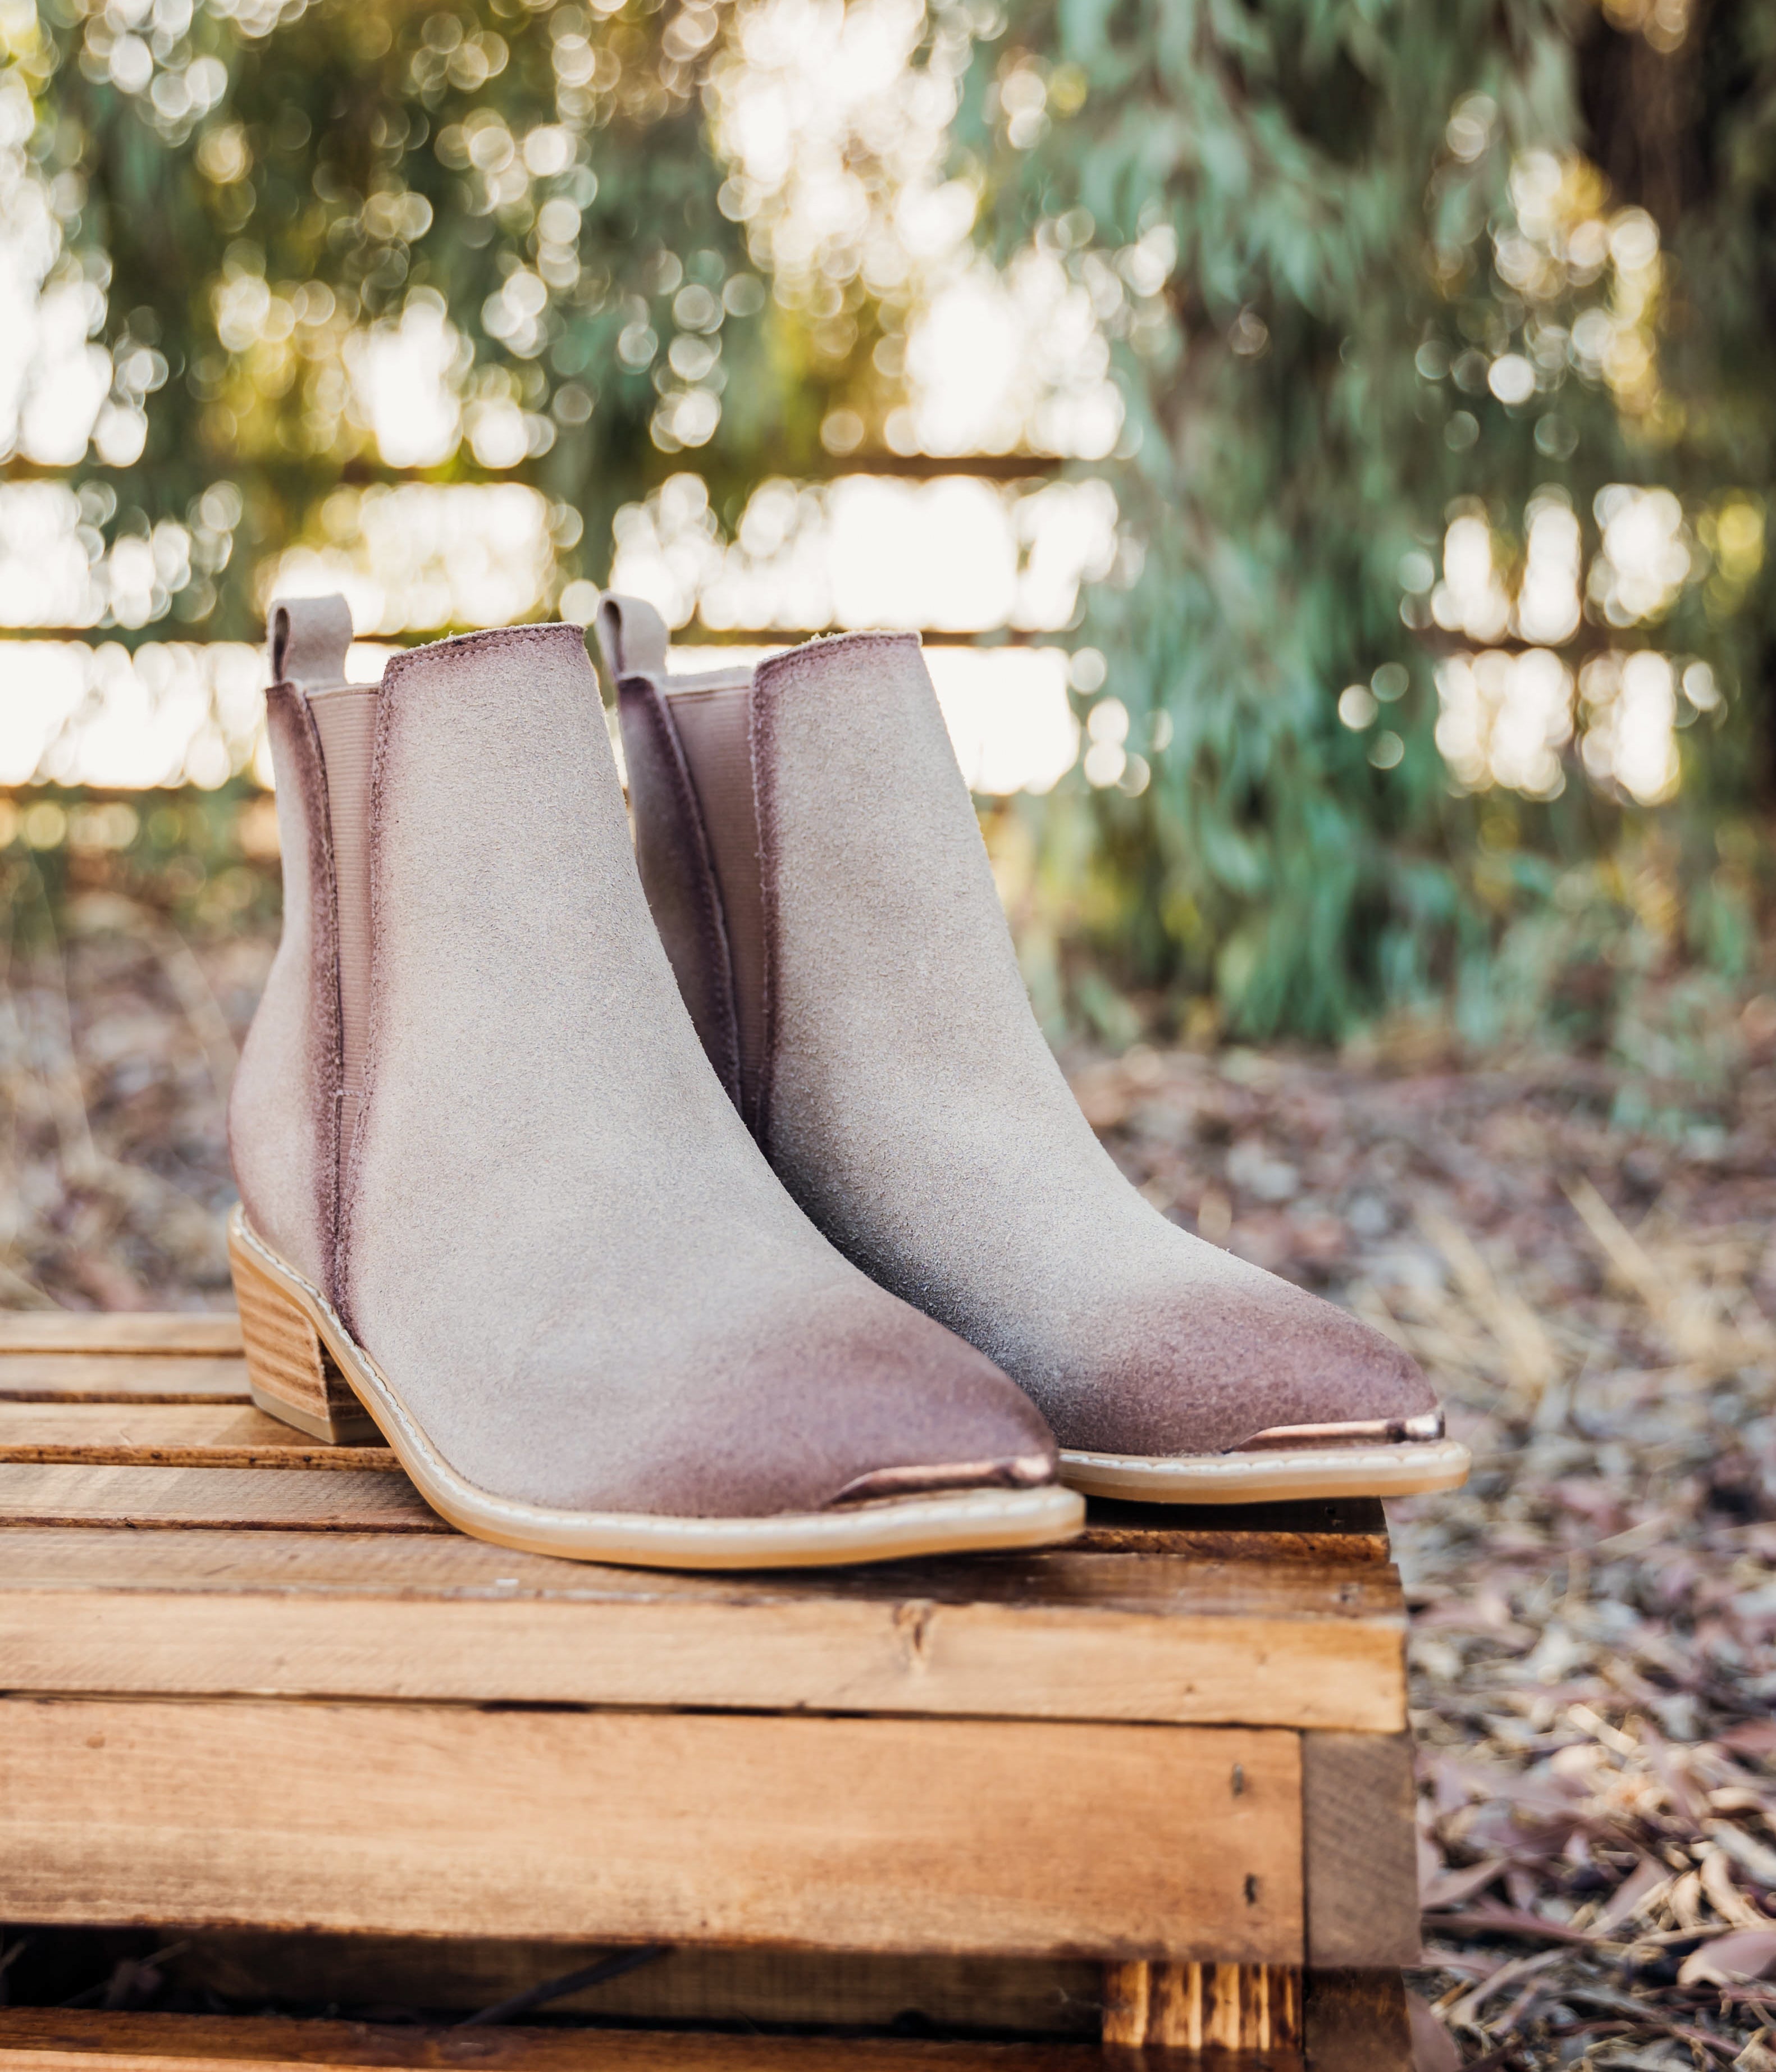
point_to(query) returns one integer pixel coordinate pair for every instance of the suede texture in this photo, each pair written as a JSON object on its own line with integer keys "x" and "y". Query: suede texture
{"x": 308, "y": 637}
{"x": 561, "y": 1245}
{"x": 914, "y": 1109}
{"x": 712, "y": 717}
{"x": 672, "y": 854}
{"x": 632, "y": 638}
{"x": 283, "y": 1110}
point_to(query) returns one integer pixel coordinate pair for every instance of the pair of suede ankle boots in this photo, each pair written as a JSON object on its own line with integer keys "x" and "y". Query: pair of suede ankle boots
{"x": 733, "y": 1212}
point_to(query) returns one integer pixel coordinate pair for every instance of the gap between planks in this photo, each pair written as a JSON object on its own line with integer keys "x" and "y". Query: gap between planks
{"x": 1131, "y": 2005}
{"x": 1062, "y": 1998}
{"x": 1355, "y": 2023}
{"x": 31, "y": 2040}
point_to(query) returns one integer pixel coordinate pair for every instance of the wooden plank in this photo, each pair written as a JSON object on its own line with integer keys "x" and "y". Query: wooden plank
{"x": 1362, "y": 1850}
{"x": 810, "y": 1988}
{"x": 119, "y": 1331}
{"x": 993, "y": 1837}
{"x": 170, "y": 1435}
{"x": 1052, "y": 1636}
{"x": 108, "y": 1378}
{"x": 1357, "y": 2021}
{"x": 1159, "y": 1585}
{"x": 63, "y": 2041}
{"x": 215, "y": 1499}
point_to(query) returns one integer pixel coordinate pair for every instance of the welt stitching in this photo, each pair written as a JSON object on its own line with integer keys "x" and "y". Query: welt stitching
{"x": 789, "y": 663}
{"x": 462, "y": 645}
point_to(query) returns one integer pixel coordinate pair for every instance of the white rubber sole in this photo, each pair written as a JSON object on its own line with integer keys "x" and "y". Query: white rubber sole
{"x": 280, "y": 1301}
{"x": 1412, "y": 1468}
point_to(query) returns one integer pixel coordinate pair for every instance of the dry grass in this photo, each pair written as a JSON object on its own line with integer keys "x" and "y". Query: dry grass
{"x": 1593, "y": 1614}
{"x": 117, "y": 1041}
{"x": 1579, "y": 1251}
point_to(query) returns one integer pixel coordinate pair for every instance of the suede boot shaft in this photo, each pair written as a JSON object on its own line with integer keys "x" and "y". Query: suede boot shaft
{"x": 557, "y": 1263}
{"x": 906, "y": 1096}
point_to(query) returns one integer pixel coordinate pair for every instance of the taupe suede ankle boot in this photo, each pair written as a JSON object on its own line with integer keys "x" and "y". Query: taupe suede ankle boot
{"x": 494, "y": 1200}
{"x": 814, "y": 863}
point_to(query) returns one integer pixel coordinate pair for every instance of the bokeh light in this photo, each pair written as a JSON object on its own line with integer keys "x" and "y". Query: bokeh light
{"x": 415, "y": 557}
{"x": 956, "y": 554}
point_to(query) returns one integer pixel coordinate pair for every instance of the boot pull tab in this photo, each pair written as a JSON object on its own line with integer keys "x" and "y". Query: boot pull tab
{"x": 308, "y": 638}
{"x": 632, "y": 637}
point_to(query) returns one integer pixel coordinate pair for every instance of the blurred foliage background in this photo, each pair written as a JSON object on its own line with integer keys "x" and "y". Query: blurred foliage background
{"x": 1377, "y": 403}
{"x": 1458, "y": 342}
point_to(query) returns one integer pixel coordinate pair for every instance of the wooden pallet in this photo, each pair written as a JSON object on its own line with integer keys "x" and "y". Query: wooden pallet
{"x": 255, "y": 1690}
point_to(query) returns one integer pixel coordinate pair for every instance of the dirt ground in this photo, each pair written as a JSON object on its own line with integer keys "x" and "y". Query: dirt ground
{"x": 1578, "y": 1250}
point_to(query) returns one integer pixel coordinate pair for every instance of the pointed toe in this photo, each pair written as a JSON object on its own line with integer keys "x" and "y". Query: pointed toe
{"x": 905, "y": 1407}
{"x": 1206, "y": 1368}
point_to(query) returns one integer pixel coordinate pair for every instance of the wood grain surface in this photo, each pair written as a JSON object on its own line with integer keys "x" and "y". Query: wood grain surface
{"x": 136, "y": 1434}
{"x": 119, "y": 1331}
{"x": 1358, "y": 1805}
{"x": 150, "y": 1547}
{"x": 1121, "y": 1750}
{"x": 395, "y": 1614}
{"x": 161, "y": 1394}
{"x": 994, "y": 1837}
{"x": 82, "y": 1377}
{"x": 212, "y": 1499}
{"x": 1357, "y": 2021}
